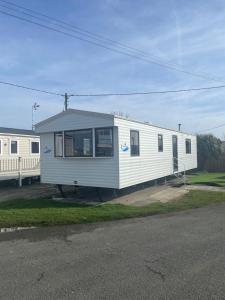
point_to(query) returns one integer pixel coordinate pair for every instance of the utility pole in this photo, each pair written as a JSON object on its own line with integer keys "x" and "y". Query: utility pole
{"x": 66, "y": 101}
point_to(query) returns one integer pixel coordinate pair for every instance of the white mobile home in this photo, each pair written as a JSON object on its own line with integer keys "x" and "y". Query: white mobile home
{"x": 19, "y": 153}
{"x": 102, "y": 150}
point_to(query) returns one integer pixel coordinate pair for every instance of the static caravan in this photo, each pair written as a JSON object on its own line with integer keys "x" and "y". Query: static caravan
{"x": 103, "y": 150}
{"x": 19, "y": 153}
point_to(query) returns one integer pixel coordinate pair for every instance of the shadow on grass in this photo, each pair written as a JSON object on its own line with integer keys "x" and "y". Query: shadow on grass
{"x": 208, "y": 183}
{"x": 39, "y": 204}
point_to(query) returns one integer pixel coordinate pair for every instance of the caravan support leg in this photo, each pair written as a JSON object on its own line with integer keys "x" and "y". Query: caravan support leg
{"x": 98, "y": 190}
{"x": 59, "y": 186}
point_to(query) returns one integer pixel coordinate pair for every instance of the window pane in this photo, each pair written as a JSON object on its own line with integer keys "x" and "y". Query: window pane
{"x": 160, "y": 142}
{"x": 14, "y": 147}
{"x": 78, "y": 143}
{"x": 188, "y": 146}
{"x": 104, "y": 142}
{"x": 35, "y": 147}
{"x": 134, "y": 143}
{"x": 59, "y": 144}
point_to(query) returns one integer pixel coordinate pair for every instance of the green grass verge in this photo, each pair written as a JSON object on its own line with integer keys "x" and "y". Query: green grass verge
{"x": 213, "y": 179}
{"x": 42, "y": 212}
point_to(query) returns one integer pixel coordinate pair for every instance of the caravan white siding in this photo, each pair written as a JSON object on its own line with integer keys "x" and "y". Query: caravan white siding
{"x": 85, "y": 171}
{"x": 151, "y": 164}
{"x": 121, "y": 170}
{"x": 24, "y": 160}
{"x": 71, "y": 120}
{"x": 24, "y": 146}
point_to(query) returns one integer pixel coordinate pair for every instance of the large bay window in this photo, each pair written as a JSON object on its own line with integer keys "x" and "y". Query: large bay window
{"x": 104, "y": 142}
{"x": 78, "y": 143}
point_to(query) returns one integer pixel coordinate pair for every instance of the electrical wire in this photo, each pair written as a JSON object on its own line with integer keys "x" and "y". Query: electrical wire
{"x": 212, "y": 128}
{"x": 150, "y": 92}
{"x": 30, "y": 88}
{"x": 133, "y": 55}
{"x": 115, "y": 94}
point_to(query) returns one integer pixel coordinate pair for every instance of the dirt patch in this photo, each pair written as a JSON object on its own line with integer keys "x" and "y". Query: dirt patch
{"x": 32, "y": 191}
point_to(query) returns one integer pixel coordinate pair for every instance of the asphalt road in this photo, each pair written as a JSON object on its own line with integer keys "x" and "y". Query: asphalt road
{"x": 176, "y": 256}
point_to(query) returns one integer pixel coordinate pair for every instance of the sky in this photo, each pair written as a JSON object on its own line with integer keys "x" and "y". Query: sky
{"x": 188, "y": 34}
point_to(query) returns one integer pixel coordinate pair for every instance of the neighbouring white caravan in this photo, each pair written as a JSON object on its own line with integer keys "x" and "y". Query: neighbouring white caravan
{"x": 19, "y": 154}
{"x": 103, "y": 150}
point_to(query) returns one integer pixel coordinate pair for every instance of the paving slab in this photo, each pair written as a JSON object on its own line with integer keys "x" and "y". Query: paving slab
{"x": 152, "y": 194}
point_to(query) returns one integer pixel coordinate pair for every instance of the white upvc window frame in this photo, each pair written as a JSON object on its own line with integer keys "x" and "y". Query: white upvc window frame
{"x": 34, "y": 141}
{"x": 10, "y": 144}
{"x": 1, "y": 147}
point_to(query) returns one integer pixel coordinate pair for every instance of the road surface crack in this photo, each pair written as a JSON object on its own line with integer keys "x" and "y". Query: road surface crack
{"x": 40, "y": 277}
{"x": 154, "y": 271}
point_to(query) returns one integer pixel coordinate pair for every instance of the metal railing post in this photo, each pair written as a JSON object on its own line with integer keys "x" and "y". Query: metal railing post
{"x": 20, "y": 171}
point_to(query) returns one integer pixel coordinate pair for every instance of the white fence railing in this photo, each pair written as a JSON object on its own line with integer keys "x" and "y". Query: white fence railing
{"x": 8, "y": 165}
{"x": 19, "y": 167}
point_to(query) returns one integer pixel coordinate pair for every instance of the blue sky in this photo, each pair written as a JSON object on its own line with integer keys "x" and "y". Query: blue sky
{"x": 188, "y": 33}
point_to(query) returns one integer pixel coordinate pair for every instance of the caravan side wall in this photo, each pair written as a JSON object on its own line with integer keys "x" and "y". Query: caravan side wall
{"x": 93, "y": 171}
{"x": 151, "y": 164}
{"x": 24, "y": 146}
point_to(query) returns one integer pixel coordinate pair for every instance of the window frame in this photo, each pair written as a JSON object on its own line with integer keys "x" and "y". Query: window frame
{"x": 55, "y": 133}
{"x": 77, "y": 130}
{"x": 135, "y": 155}
{"x": 95, "y": 144}
{"x": 188, "y": 148}
{"x": 33, "y": 141}
{"x": 10, "y": 147}
{"x": 160, "y": 135}
{"x": 1, "y": 147}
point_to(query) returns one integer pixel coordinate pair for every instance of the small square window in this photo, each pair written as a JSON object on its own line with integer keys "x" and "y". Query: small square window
{"x": 188, "y": 146}
{"x": 35, "y": 147}
{"x": 134, "y": 143}
{"x": 14, "y": 147}
{"x": 160, "y": 142}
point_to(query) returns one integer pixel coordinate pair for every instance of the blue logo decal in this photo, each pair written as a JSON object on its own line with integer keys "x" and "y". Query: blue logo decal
{"x": 47, "y": 150}
{"x": 124, "y": 147}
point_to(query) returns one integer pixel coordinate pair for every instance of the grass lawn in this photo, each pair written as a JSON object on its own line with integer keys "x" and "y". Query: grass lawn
{"x": 42, "y": 212}
{"x": 213, "y": 179}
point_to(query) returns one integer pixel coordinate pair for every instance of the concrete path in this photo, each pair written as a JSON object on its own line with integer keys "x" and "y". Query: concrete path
{"x": 173, "y": 257}
{"x": 150, "y": 195}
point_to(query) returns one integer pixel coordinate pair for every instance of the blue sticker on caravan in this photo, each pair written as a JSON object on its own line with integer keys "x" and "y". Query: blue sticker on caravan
{"x": 47, "y": 150}
{"x": 124, "y": 148}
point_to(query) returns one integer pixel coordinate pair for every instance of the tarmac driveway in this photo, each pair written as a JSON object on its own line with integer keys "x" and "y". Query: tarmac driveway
{"x": 175, "y": 256}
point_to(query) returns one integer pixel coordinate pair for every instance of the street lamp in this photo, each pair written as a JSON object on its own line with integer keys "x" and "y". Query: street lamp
{"x": 35, "y": 106}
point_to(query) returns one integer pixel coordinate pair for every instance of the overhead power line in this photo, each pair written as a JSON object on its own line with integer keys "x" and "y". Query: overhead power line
{"x": 30, "y": 88}
{"x": 138, "y": 54}
{"x": 114, "y": 94}
{"x": 212, "y": 128}
{"x": 150, "y": 92}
